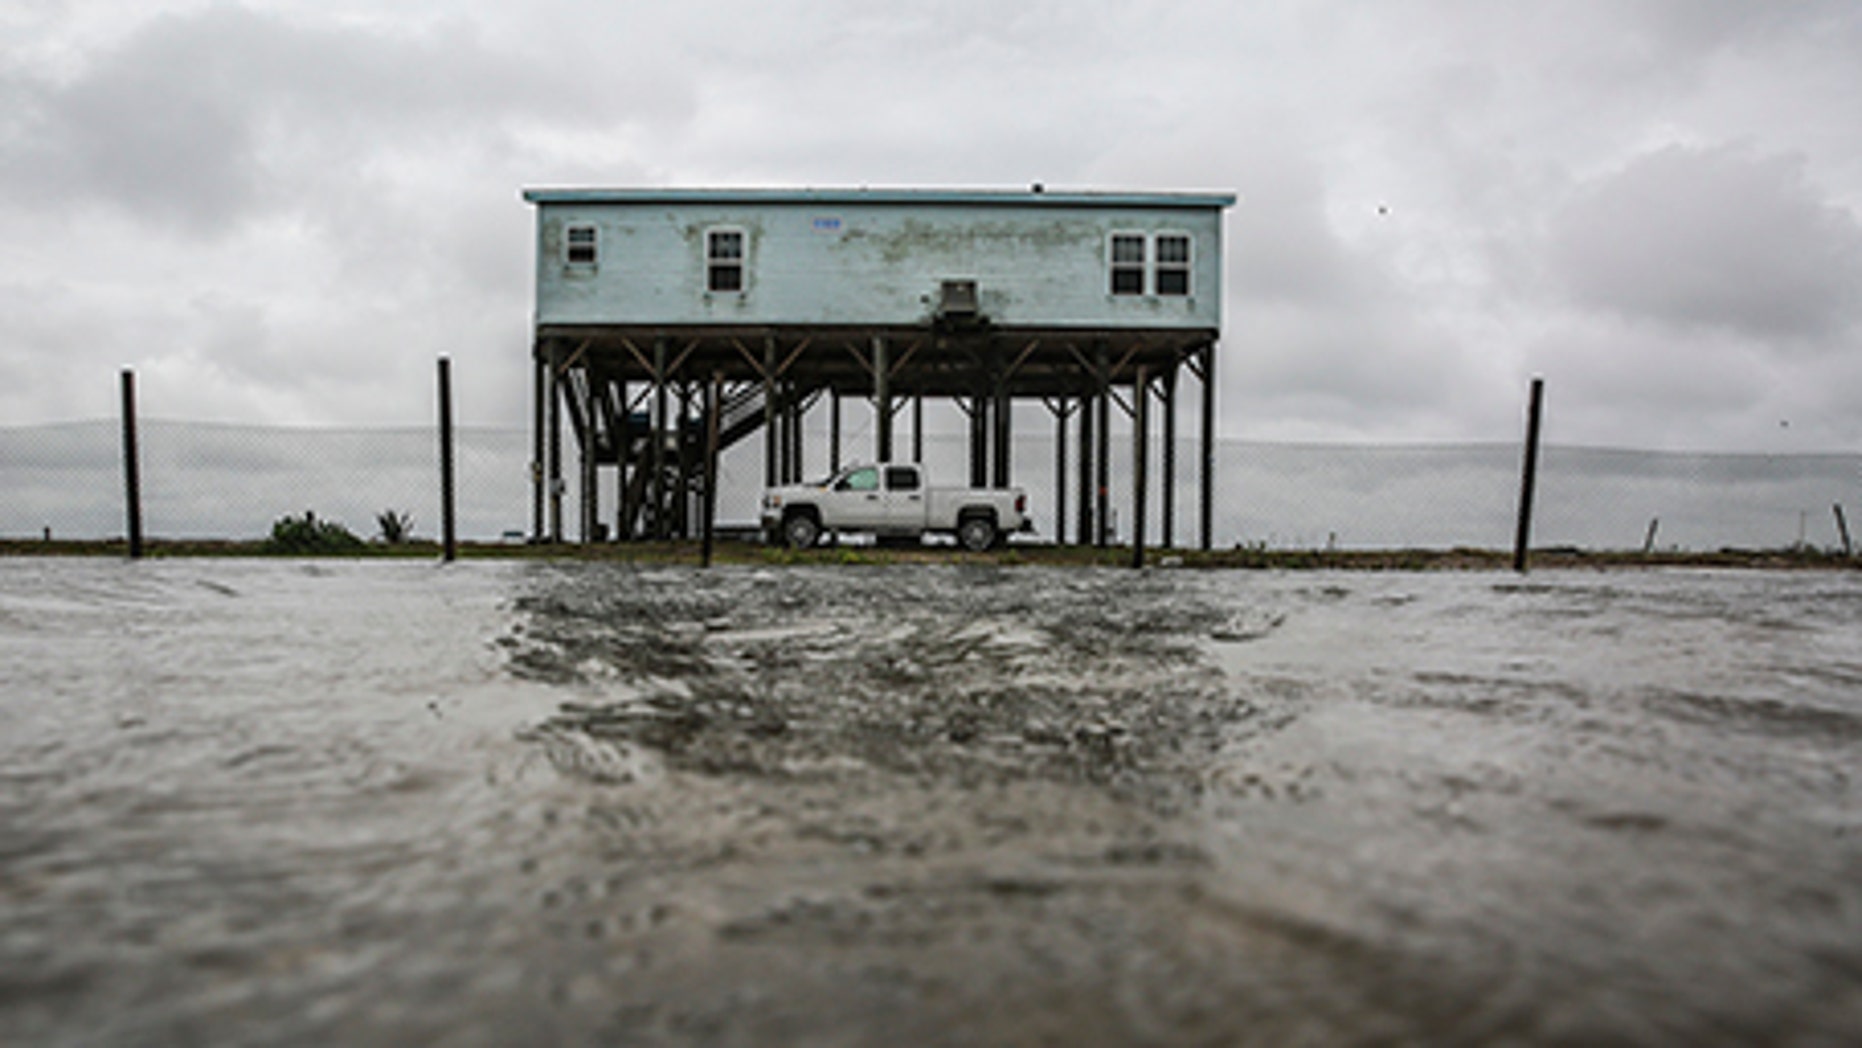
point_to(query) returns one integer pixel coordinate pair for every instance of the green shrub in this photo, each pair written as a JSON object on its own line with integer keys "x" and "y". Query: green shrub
{"x": 396, "y": 527}
{"x": 307, "y": 534}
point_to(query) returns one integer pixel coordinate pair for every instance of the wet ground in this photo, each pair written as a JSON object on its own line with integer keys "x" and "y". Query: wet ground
{"x": 276, "y": 802}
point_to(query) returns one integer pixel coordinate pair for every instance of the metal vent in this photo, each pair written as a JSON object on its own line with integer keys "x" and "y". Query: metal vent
{"x": 957, "y": 299}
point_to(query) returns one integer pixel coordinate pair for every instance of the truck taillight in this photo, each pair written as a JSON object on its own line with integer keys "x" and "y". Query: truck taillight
{"x": 1021, "y": 503}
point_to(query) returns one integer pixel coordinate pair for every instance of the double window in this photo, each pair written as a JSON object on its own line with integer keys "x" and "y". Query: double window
{"x": 579, "y": 246}
{"x": 724, "y": 260}
{"x": 1155, "y": 262}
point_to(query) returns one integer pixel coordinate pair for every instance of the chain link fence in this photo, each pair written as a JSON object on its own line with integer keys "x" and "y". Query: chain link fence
{"x": 212, "y": 481}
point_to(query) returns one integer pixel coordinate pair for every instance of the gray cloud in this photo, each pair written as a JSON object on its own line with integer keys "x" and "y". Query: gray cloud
{"x": 200, "y": 120}
{"x": 282, "y": 210}
{"x": 1712, "y": 237}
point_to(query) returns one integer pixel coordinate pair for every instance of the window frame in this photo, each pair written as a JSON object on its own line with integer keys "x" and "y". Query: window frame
{"x": 571, "y": 243}
{"x": 1116, "y": 266}
{"x": 1186, "y": 267}
{"x": 715, "y": 263}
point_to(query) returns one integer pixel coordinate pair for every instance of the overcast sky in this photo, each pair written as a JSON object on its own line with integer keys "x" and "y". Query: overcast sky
{"x": 284, "y": 211}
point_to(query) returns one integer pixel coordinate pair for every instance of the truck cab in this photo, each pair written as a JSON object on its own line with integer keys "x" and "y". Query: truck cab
{"x": 892, "y": 500}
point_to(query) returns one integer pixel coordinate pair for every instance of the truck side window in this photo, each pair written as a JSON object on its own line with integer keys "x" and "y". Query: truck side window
{"x": 901, "y": 478}
{"x": 859, "y": 480}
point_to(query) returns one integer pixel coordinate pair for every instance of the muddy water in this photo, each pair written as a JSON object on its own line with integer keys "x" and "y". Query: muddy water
{"x": 253, "y": 802}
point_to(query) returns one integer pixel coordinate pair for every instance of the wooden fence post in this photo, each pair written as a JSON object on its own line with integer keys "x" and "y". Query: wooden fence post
{"x": 132, "y": 468}
{"x": 1529, "y": 476}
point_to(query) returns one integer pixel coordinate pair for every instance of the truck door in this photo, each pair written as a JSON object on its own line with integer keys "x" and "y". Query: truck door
{"x": 905, "y": 500}
{"x": 856, "y": 502}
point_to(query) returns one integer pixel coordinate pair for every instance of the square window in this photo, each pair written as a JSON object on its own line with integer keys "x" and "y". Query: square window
{"x": 725, "y": 278}
{"x": 726, "y": 245}
{"x": 579, "y": 245}
{"x": 1127, "y": 267}
{"x": 1173, "y": 264}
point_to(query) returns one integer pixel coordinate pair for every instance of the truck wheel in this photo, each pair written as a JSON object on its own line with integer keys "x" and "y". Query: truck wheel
{"x": 976, "y": 533}
{"x": 801, "y": 531}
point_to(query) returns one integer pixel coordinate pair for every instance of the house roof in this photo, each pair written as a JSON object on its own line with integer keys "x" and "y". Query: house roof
{"x": 1034, "y": 196}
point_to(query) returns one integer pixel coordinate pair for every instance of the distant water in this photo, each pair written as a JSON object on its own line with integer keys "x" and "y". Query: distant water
{"x": 218, "y": 481}
{"x": 379, "y": 803}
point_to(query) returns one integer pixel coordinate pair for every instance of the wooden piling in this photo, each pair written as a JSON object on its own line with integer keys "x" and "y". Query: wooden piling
{"x": 1648, "y": 540}
{"x": 1529, "y": 475}
{"x": 132, "y": 467}
{"x": 1206, "y": 509}
{"x": 713, "y": 402}
{"x": 1140, "y": 428}
{"x": 882, "y": 400}
{"x": 1102, "y": 455}
{"x": 1842, "y": 529}
{"x": 449, "y": 545}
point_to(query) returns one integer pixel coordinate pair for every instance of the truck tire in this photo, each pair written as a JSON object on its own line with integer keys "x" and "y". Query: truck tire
{"x": 977, "y": 533}
{"x": 801, "y": 530}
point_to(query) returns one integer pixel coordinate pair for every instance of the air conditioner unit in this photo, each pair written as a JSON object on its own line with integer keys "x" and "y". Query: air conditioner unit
{"x": 957, "y": 300}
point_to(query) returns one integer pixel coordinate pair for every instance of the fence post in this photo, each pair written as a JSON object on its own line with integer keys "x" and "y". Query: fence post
{"x": 448, "y": 545}
{"x": 1528, "y": 475}
{"x": 132, "y": 468}
{"x": 1842, "y": 528}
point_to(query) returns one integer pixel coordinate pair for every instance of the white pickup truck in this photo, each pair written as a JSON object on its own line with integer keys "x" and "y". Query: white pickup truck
{"x": 892, "y": 501}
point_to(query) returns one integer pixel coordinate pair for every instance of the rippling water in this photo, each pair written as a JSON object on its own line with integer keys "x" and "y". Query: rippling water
{"x": 331, "y": 802}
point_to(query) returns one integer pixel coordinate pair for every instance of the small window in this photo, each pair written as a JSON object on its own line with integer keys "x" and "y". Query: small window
{"x": 1127, "y": 263}
{"x": 1173, "y": 264}
{"x": 579, "y": 245}
{"x": 866, "y": 479}
{"x": 724, "y": 258}
{"x": 901, "y": 478}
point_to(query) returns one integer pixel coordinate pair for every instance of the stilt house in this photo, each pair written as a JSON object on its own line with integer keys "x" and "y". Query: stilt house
{"x": 651, "y": 303}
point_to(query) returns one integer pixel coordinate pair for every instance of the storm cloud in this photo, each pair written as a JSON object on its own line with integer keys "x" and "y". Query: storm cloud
{"x": 282, "y": 211}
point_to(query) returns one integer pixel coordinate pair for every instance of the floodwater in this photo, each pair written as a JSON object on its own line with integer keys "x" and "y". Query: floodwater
{"x": 287, "y": 802}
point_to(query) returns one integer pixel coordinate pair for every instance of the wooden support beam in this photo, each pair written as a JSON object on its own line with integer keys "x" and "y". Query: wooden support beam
{"x": 918, "y": 428}
{"x": 682, "y": 516}
{"x": 1087, "y": 444}
{"x": 1168, "y": 482}
{"x": 658, "y": 456}
{"x": 898, "y": 364}
{"x": 1208, "y": 451}
{"x": 590, "y": 498}
{"x": 539, "y": 384}
{"x": 1102, "y": 465}
{"x": 771, "y": 404}
{"x": 1061, "y": 410}
{"x": 882, "y": 398}
{"x": 979, "y": 441}
{"x": 553, "y": 426}
{"x": 1140, "y": 460}
{"x": 713, "y": 403}
{"x": 833, "y": 432}
{"x": 1021, "y": 358}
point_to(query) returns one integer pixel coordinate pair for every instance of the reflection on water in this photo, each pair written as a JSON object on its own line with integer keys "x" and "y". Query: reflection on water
{"x": 267, "y": 802}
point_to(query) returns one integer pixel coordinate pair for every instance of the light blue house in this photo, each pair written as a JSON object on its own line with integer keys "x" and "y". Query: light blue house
{"x": 784, "y": 299}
